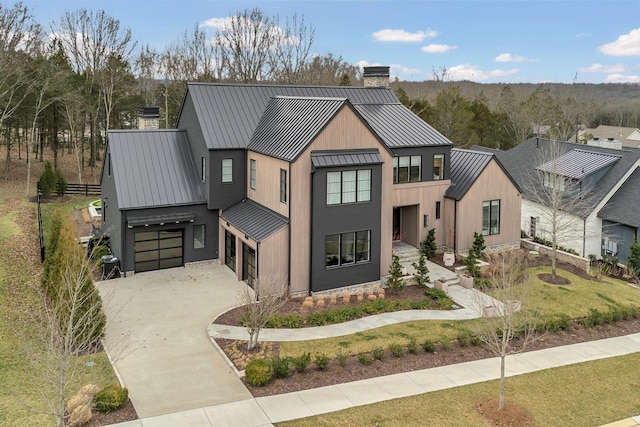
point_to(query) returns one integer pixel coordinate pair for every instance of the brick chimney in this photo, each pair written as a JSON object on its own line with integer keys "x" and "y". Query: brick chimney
{"x": 376, "y": 76}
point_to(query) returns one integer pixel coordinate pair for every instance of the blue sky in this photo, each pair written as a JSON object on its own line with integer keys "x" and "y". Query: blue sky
{"x": 485, "y": 41}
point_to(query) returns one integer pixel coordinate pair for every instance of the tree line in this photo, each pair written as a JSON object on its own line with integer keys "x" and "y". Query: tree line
{"x": 65, "y": 82}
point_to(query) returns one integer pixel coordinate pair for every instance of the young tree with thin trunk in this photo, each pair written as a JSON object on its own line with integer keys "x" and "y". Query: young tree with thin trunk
{"x": 261, "y": 305}
{"x": 505, "y": 321}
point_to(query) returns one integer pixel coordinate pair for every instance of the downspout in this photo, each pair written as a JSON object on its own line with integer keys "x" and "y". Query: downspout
{"x": 123, "y": 247}
{"x": 455, "y": 226}
{"x": 289, "y": 188}
{"x": 313, "y": 173}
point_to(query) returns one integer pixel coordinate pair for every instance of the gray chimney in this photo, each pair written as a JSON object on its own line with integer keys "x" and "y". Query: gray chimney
{"x": 148, "y": 117}
{"x": 376, "y": 76}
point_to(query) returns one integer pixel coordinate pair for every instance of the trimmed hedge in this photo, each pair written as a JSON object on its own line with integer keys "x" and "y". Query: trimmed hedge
{"x": 258, "y": 372}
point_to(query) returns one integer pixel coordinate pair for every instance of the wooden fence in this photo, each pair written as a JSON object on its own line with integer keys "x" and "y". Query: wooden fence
{"x": 86, "y": 189}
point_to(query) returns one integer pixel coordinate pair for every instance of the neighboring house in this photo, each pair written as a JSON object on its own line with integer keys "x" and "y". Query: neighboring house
{"x": 482, "y": 197}
{"x": 604, "y": 224}
{"x": 308, "y": 185}
{"x": 603, "y": 134}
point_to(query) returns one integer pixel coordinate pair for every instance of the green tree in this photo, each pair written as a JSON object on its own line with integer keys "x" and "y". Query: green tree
{"x": 633, "y": 261}
{"x": 428, "y": 246}
{"x": 61, "y": 182}
{"x": 422, "y": 271}
{"x": 395, "y": 282}
{"x": 478, "y": 245}
{"x": 47, "y": 181}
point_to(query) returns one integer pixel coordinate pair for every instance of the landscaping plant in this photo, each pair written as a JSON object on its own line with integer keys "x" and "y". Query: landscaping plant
{"x": 395, "y": 282}
{"x": 421, "y": 271}
{"x": 258, "y": 372}
{"x": 428, "y": 246}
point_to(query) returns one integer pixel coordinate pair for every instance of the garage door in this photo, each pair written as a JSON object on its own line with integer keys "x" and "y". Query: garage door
{"x": 155, "y": 250}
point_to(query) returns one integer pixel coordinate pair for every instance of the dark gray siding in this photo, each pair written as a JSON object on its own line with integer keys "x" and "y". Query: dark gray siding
{"x": 222, "y": 195}
{"x": 338, "y": 219}
{"x": 427, "y": 154}
{"x": 202, "y": 216}
{"x": 112, "y": 216}
{"x": 623, "y": 235}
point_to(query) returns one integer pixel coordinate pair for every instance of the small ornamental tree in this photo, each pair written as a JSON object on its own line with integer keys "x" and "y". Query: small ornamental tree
{"x": 261, "y": 305}
{"x": 478, "y": 246}
{"x": 61, "y": 182}
{"x": 428, "y": 246}
{"x": 47, "y": 181}
{"x": 422, "y": 272}
{"x": 395, "y": 282}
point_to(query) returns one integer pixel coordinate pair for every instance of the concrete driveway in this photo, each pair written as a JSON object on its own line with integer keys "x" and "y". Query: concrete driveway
{"x": 157, "y": 335}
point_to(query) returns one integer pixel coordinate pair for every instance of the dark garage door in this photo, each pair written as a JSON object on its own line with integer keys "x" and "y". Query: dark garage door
{"x": 155, "y": 250}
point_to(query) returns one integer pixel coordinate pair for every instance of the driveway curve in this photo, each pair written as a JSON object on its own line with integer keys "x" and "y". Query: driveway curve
{"x": 157, "y": 337}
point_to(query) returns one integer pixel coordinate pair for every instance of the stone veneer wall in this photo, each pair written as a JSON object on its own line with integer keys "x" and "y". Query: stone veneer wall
{"x": 577, "y": 261}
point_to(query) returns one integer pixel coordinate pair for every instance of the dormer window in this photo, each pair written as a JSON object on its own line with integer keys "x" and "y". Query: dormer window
{"x": 552, "y": 180}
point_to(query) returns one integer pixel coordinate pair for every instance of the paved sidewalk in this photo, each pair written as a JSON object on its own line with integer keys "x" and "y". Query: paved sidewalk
{"x": 264, "y": 411}
{"x": 470, "y": 299}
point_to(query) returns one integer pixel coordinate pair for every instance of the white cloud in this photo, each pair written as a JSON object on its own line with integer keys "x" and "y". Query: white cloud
{"x": 599, "y": 68}
{"x": 401, "y": 69}
{"x": 438, "y": 48}
{"x": 625, "y": 45}
{"x": 472, "y": 72}
{"x": 621, "y": 78}
{"x": 220, "y": 23}
{"x": 389, "y": 35}
{"x": 507, "y": 57}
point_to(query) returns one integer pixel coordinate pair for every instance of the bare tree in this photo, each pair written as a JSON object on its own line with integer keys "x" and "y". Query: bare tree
{"x": 561, "y": 202}
{"x": 293, "y": 50}
{"x": 270, "y": 296}
{"x": 505, "y": 320}
{"x": 518, "y": 125}
{"x": 329, "y": 70}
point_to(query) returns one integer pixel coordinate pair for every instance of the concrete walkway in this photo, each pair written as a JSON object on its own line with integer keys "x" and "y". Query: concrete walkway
{"x": 264, "y": 411}
{"x": 471, "y": 301}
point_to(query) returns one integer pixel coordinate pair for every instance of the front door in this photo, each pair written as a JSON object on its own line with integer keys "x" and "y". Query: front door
{"x": 249, "y": 265}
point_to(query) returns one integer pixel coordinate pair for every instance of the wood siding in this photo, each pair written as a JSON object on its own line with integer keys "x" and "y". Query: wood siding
{"x": 492, "y": 184}
{"x": 345, "y": 132}
{"x": 424, "y": 195}
{"x": 267, "y": 191}
{"x": 273, "y": 256}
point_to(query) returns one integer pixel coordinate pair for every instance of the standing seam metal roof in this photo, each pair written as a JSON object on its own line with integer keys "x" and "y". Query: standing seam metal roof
{"x": 256, "y": 221}
{"x": 578, "y": 164}
{"x": 327, "y": 159}
{"x": 153, "y": 168}
{"x": 466, "y": 167}
{"x": 229, "y": 113}
{"x": 290, "y": 124}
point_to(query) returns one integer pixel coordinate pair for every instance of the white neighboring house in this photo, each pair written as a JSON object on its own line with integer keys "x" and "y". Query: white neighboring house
{"x": 605, "y": 222}
{"x": 627, "y": 137}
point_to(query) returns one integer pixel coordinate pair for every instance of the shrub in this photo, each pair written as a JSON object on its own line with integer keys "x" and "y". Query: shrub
{"x": 446, "y": 345}
{"x": 428, "y": 246}
{"x": 412, "y": 346}
{"x": 364, "y": 358}
{"x": 429, "y": 346}
{"x": 422, "y": 272}
{"x": 258, "y": 372}
{"x": 396, "y": 349}
{"x": 395, "y": 283}
{"x": 47, "y": 181}
{"x": 342, "y": 359}
{"x": 478, "y": 246}
{"x": 464, "y": 339}
{"x": 111, "y": 397}
{"x": 301, "y": 362}
{"x": 378, "y": 353}
{"x": 280, "y": 366}
{"x": 292, "y": 321}
{"x": 556, "y": 323}
{"x": 322, "y": 361}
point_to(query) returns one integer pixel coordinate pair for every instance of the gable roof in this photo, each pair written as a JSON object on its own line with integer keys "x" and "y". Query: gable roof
{"x": 256, "y": 221}
{"x": 629, "y": 137}
{"x": 228, "y": 114}
{"x": 466, "y": 168}
{"x": 153, "y": 168}
{"x": 288, "y": 125}
{"x": 624, "y": 206}
{"x": 577, "y": 164}
{"x": 521, "y": 162}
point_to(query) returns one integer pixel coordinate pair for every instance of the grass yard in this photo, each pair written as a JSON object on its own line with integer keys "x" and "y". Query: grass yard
{"x": 575, "y": 300}
{"x": 556, "y": 397}
{"x": 21, "y": 325}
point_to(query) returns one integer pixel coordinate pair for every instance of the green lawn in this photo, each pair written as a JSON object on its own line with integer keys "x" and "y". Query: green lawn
{"x": 21, "y": 328}
{"x": 555, "y": 397}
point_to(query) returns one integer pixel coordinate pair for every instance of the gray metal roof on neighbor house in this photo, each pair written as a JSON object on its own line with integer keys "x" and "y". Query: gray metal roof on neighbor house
{"x": 466, "y": 167}
{"x": 229, "y": 113}
{"x": 253, "y": 219}
{"x": 328, "y": 159}
{"x": 521, "y": 162}
{"x": 153, "y": 168}
{"x": 624, "y": 206}
{"x": 289, "y": 124}
{"x": 577, "y": 164}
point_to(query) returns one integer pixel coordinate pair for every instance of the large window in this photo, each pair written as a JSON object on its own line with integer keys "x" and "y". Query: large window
{"x": 490, "y": 217}
{"x": 198, "y": 236}
{"x": 348, "y": 248}
{"x": 407, "y": 169}
{"x": 227, "y": 170}
{"x": 438, "y": 167}
{"x": 252, "y": 174}
{"x": 348, "y": 186}
{"x": 283, "y": 186}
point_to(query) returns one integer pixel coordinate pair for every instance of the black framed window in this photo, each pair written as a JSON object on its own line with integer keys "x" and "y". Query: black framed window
{"x": 490, "y": 217}
{"x": 227, "y": 170}
{"x": 348, "y": 248}
{"x": 437, "y": 210}
{"x": 283, "y": 186}
{"x": 198, "y": 236}
{"x": 252, "y": 174}
{"x": 349, "y": 186}
{"x": 203, "y": 168}
{"x": 438, "y": 167}
{"x": 407, "y": 169}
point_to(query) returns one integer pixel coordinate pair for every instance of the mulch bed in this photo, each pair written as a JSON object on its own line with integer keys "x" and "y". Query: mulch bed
{"x": 125, "y": 413}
